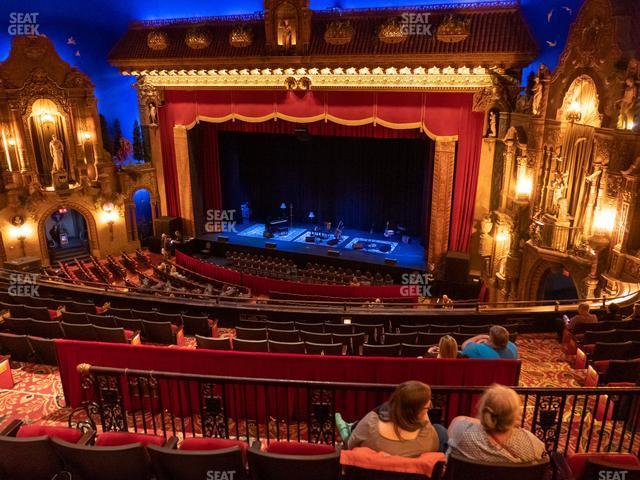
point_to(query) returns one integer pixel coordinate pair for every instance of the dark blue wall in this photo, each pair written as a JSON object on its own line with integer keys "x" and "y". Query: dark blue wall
{"x": 95, "y": 26}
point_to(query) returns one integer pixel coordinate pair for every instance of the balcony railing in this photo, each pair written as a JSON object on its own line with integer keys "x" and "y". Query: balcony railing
{"x": 249, "y": 409}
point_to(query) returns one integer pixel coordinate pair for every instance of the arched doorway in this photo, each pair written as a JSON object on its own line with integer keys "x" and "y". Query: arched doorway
{"x": 557, "y": 284}
{"x": 67, "y": 235}
{"x": 143, "y": 215}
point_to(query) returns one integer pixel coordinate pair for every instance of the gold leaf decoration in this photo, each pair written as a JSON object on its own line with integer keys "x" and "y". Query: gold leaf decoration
{"x": 240, "y": 37}
{"x": 392, "y": 32}
{"x": 157, "y": 40}
{"x": 453, "y": 29}
{"x": 197, "y": 38}
{"x": 339, "y": 32}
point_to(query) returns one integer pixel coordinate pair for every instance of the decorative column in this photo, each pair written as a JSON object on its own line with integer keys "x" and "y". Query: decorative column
{"x": 441, "y": 197}
{"x": 184, "y": 178}
{"x": 628, "y": 208}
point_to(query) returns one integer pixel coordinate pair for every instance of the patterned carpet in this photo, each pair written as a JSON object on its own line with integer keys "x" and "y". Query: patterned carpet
{"x": 37, "y": 395}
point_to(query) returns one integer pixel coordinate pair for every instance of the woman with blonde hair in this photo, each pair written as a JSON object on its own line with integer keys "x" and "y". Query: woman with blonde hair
{"x": 495, "y": 436}
{"x": 447, "y": 347}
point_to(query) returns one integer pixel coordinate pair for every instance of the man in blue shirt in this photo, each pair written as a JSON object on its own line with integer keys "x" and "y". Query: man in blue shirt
{"x": 494, "y": 346}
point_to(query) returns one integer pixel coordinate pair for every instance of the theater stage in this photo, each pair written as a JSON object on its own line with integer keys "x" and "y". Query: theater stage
{"x": 408, "y": 256}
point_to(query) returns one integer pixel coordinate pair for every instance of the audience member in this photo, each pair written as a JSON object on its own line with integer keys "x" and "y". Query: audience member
{"x": 494, "y": 346}
{"x": 635, "y": 315}
{"x": 613, "y": 313}
{"x": 582, "y": 317}
{"x": 496, "y": 435}
{"x": 447, "y": 347}
{"x": 401, "y": 426}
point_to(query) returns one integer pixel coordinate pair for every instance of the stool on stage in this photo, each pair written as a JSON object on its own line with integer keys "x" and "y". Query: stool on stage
{"x": 6, "y": 378}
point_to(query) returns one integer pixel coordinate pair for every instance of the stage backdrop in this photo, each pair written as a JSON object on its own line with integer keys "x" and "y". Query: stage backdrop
{"x": 448, "y": 115}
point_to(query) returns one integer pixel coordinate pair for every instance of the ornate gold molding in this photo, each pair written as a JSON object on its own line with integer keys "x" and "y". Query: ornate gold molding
{"x": 376, "y": 78}
{"x": 441, "y": 198}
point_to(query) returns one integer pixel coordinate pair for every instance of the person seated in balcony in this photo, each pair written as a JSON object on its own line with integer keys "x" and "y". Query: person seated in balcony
{"x": 496, "y": 345}
{"x": 495, "y": 436}
{"x": 582, "y": 317}
{"x": 613, "y": 313}
{"x": 635, "y": 315}
{"x": 447, "y": 348}
{"x": 401, "y": 426}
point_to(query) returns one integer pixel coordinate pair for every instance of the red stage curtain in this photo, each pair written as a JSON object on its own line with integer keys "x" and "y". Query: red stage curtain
{"x": 211, "y": 170}
{"x": 441, "y": 114}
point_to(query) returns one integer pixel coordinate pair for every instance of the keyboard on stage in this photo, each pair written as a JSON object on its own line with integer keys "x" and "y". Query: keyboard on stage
{"x": 279, "y": 225}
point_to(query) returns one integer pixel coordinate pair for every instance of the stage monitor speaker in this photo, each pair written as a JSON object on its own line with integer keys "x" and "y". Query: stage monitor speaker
{"x": 390, "y": 261}
{"x": 333, "y": 253}
{"x": 223, "y": 239}
{"x": 166, "y": 225}
{"x": 270, "y": 245}
{"x": 456, "y": 267}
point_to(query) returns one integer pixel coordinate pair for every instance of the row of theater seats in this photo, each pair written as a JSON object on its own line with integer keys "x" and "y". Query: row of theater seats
{"x": 25, "y": 348}
{"x": 610, "y": 348}
{"x": 37, "y": 452}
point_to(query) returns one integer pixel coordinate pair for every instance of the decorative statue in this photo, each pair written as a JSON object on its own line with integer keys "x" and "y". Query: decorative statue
{"x": 559, "y": 186}
{"x": 563, "y": 209}
{"x": 153, "y": 114}
{"x": 628, "y": 105}
{"x": 486, "y": 243}
{"x": 287, "y": 33}
{"x": 493, "y": 125}
{"x": 537, "y": 96}
{"x": 56, "y": 149}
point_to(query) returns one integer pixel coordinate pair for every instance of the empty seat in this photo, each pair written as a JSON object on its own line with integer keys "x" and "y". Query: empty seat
{"x": 293, "y": 461}
{"x": 44, "y": 350}
{"x": 45, "y": 329}
{"x": 283, "y": 335}
{"x": 19, "y": 326}
{"x": 414, "y": 351}
{"x": 444, "y": 329}
{"x": 128, "y": 462}
{"x": 323, "y": 348}
{"x": 74, "y": 317}
{"x": 145, "y": 315}
{"x": 39, "y": 313}
{"x": 18, "y": 346}
{"x": 611, "y": 351}
{"x": 476, "y": 329}
{"x": 252, "y": 324}
{"x": 352, "y": 341}
{"x": 393, "y": 338}
{"x": 422, "y": 327}
{"x": 111, "y": 335}
{"x": 185, "y": 464}
{"x": 460, "y": 338}
{"x": 209, "y": 343}
{"x": 386, "y": 350}
{"x": 373, "y": 332}
{"x": 310, "y": 327}
{"x": 286, "y": 347}
{"x": 81, "y": 307}
{"x": 242, "y": 345}
{"x": 15, "y": 311}
{"x": 106, "y": 321}
{"x": 80, "y": 332}
{"x": 164, "y": 333}
{"x": 251, "y": 333}
{"x": 342, "y": 328}
{"x": 621, "y": 371}
{"x": 429, "y": 338}
{"x": 199, "y": 325}
{"x": 119, "y": 312}
{"x": 315, "y": 337}
{"x": 279, "y": 325}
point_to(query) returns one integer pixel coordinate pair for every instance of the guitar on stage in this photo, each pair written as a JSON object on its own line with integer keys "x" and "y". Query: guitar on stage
{"x": 388, "y": 232}
{"x": 337, "y": 234}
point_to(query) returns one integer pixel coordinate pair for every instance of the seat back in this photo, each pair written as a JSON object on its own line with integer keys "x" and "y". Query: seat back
{"x": 16, "y": 311}
{"x": 269, "y": 466}
{"x": 622, "y": 371}
{"x": 242, "y": 345}
{"x": 17, "y": 459}
{"x": 172, "y": 464}
{"x": 323, "y": 348}
{"x": 610, "y": 351}
{"x": 81, "y": 307}
{"x": 38, "y": 313}
{"x": 18, "y": 326}
{"x": 80, "y": 332}
{"x": 385, "y": 350}
{"x": 414, "y": 351}
{"x": 421, "y": 327}
{"x": 396, "y": 338}
{"x": 18, "y": 346}
{"x": 110, "y": 335}
{"x": 158, "y": 332}
{"x": 129, "y": 462}
{"x": 310, "y": 327}
{"x": 341, "y": 328}
{"x": 46, "y": 329}
{"x": 196, "y": 325}
{"x": 458, "y": 468}
{"x": 75, "y": 317}
{"x": 445, "y": 329}
{"x": 106, "y": 321}
{"x": 353, "y": 341}
{"x": 144, "y": 315}
{"x": 460, "y": 338}
{"x": 45, "y": 350}
{"x": 429, "y": 338}
{"x": 283, "y": 335}
{"x": 315, "y": 337}
{"x": 285, "y": 325}
{"x": 591, "y": 337}
{"x": 209, "y": 343}
{"x": 475, "y": 329}
{"x": 134, "y": 324}
{"x": 372, "y": 332}
{"x": 286, "y": 347}
{"x": 120, "y": 312}
{"x": 587, "y": 466}
{"x": 251, "y": 333}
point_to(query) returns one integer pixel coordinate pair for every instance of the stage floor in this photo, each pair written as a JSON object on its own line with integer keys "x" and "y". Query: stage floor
{"x": 408, "y": 256}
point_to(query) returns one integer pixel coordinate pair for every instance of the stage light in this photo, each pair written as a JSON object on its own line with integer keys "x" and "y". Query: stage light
{"x": 311, "y": 216}
{"x": 283, "y": 206}
{"x": 604, "y": 221}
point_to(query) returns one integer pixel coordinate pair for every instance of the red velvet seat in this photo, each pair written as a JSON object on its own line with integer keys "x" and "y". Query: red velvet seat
{"x": 207, "y": 443}
{"x": 298, "y": 448}
{"x": 578, "y": 463}
{"x": 71, "y": 435}
{"x": 116, "y": 439}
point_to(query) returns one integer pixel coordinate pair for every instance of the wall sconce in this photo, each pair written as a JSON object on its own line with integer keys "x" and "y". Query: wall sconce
{"x": 46, "y": 117}
{"x": 575, "y": 112}
{"x": 109, "y": 216}
{"x": 502, "y": 236}
{"x": 85, "y": 136}
{"x": 11, "y": 141}
{"x": 631, "y": 125}
{"x": 20, "y": 232}
{"x": 524, "y": 187}
{"x": 604, "y": 221}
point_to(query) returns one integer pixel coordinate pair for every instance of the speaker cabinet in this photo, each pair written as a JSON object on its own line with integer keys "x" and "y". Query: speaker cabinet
{"x": 166, "y": 225}
{"x": 456, "y": 267}
{"x": 270, "y": 245}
